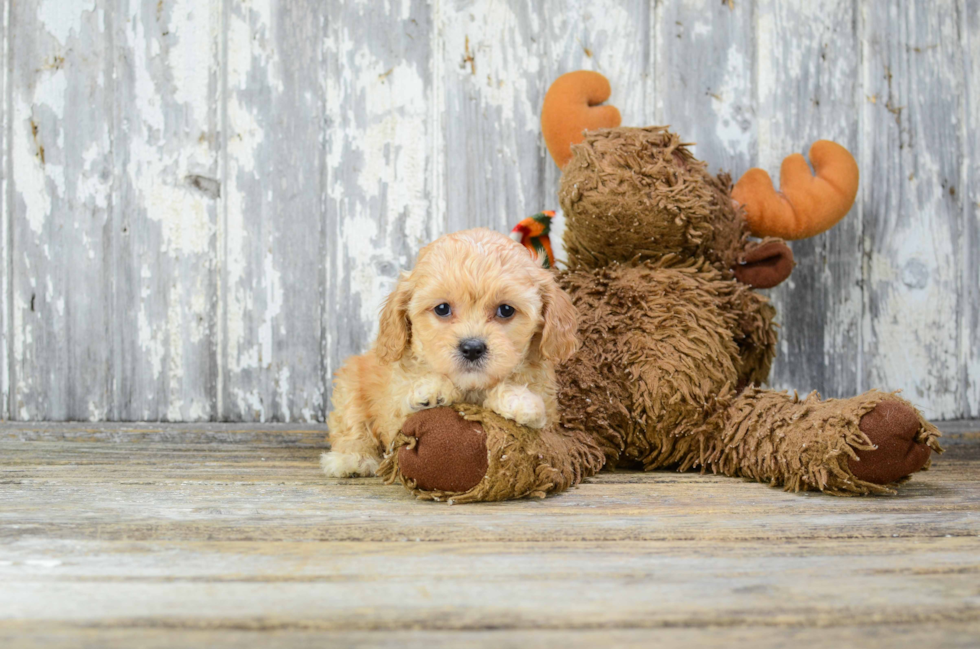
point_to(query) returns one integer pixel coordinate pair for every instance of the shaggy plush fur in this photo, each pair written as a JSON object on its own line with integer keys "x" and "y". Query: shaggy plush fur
{"x": 800, "y": 444}
{"x": 666, "y": 344}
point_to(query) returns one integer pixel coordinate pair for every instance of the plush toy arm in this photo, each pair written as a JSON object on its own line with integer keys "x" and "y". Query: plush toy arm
{"x": 806, "y": 204}
{"x": 470, "y": 454}
{"x": 571, "y": 106}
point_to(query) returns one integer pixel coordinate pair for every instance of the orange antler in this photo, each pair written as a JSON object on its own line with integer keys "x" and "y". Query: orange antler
{"x": 571, "y": 106}
{"x": 806, "y": 204}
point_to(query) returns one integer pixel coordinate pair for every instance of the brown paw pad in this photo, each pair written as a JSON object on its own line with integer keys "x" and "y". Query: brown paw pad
{"x": 450, "y": 454}
{"x": 891, "y": 427}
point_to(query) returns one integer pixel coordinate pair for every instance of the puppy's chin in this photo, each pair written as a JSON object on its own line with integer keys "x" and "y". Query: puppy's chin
{"x": 471, "y": 379}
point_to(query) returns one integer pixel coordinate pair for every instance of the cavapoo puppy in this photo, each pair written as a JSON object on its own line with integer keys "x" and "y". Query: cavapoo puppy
{"x": 478, "y": 320}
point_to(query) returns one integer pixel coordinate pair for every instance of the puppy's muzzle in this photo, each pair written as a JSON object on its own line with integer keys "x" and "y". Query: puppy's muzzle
{"x": 473, "y": 350}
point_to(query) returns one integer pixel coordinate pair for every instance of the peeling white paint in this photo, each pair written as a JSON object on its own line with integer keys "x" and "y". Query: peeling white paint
{"x": 182, "y": 215}
{"x": 390, "y": 136}
{"x": 734, "y": 126}
{"x": 283, "y": 392}
{"x": 198, "y": 411}
{"x": 915, "y": 282}
{"x": 273, "y": 307}
{"x": 197, "y": 327}
{"x": 156, "y": 171}
{"x": 29, "y": 177}
{"x": 49, "y": 91}
{"x": 23, "y": 345}
{"x": 96, "y": 411}
{"x": 246, "y": 33}
{"x": 93, "y": 187}
{"x": 168, "y": 122}
{"x": 191, "y": 70}
{"x": 245, "y": 136}
{"x": 767, "y": 88}
{"x": 487, "y": 31}
{"x": 62, "y": 18}
{"x": 250, "y": 404}
{"x": 361, "y": 252}
{"x": 151, "y": 343}
{"x": 146, "y": 96}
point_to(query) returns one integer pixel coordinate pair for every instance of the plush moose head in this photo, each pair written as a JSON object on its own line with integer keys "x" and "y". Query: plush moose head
{"x": 638, "y": 193}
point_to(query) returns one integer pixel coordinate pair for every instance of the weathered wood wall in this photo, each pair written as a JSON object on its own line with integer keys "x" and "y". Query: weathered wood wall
{"x": 205, "y": 201}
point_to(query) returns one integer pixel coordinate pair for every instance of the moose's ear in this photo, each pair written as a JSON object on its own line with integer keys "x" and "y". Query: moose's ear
{"x": 395, "y": 329}
{"x": 765, "y": 265}
{"x": 806, "y": 204}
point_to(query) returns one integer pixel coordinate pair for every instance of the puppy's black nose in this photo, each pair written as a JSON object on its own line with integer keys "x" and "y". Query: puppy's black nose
{"x": 472, "y": 349}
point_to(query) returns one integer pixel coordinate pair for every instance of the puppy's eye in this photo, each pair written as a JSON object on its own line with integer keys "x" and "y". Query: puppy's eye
{"x": 505, "y": 311}
{"x": 443, "y": 310}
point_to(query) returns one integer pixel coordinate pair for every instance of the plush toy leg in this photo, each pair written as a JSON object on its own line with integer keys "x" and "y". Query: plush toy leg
{"x": 865, "y": 444}
{"x": 465, "y": 454}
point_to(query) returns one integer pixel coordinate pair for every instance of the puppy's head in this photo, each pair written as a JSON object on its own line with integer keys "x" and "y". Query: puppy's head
{"x": 475, "y": 307}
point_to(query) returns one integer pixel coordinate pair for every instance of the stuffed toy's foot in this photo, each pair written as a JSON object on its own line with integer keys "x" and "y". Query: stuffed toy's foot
{"x": 893, "y": 428}
{"x": 465, "y": 453}
{"x": 863, "y": 445}
{"x": 443, "y": 452}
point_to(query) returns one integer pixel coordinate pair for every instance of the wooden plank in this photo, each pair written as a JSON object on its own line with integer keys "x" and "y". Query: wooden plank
{"x": 959, "y": 426}
{"x": 365, "y": 586}
{"x": 182, "y": 434}
{"x": 969, "y": 300}
{"x": 383, "y": 194}
{"x": 273, "y": 225}
{"x": 872, "y": 636}
{"x": 808, "y": 76}
{"x": 490, "y": 59}
{"x": 5, "y": 171}
{"x": 911, "y": 157}
{"x": 704, "y": 85}
{"x": 232, "y": 507}
{"x": 150, "y": 488}
{"x": 60, "y": 196}
{"x": 164, "y": 210}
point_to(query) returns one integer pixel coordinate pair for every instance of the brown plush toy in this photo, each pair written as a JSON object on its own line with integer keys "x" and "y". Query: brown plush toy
{"x": 675, "y": 340}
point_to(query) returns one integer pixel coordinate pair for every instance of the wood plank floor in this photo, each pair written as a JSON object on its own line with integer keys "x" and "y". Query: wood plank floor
{"x": 222, "y": 535}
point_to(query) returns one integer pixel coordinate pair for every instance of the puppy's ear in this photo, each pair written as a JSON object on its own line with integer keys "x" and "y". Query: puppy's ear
{"x": 395, "y": 329}
{"x": 559, "y": 336}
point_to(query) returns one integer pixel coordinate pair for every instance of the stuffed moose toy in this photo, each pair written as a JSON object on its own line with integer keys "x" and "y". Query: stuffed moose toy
{"x": 675, "y": 339}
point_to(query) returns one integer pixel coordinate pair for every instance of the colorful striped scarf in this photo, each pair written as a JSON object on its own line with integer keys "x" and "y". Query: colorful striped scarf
{"x": 532, "y": 233}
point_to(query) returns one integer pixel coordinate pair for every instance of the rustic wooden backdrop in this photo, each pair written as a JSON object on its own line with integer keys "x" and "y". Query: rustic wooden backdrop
{"x": 205, "y": 201}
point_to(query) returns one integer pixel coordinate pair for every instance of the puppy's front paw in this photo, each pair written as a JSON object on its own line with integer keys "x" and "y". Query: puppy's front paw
{"x": 518, "y": 403}
{"x": 432, "y": 392}
{"x": 348, "y": 465}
